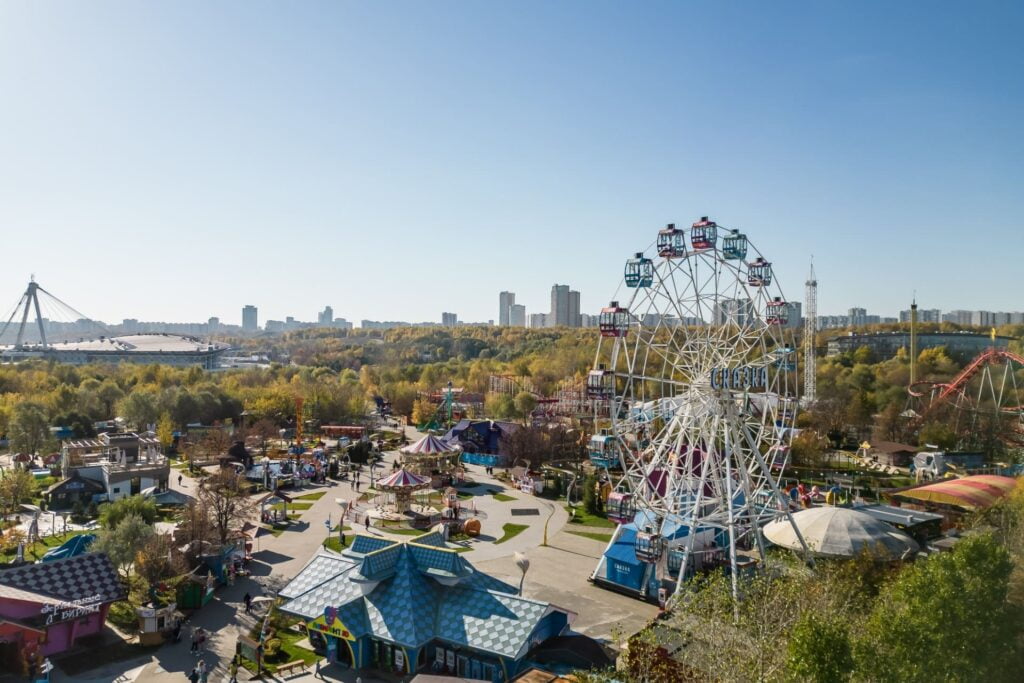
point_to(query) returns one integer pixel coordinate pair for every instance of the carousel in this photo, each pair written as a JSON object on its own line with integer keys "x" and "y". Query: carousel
{"x": 433, "y": 458}
{"x": 401, "y": 486}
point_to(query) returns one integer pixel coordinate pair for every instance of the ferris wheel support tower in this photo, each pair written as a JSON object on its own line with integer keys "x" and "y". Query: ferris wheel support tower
{"x": 810, "y": 330}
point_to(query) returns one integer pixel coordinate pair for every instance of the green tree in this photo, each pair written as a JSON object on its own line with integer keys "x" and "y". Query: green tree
{"x": 111, "y": 514}
{"x": 29, "y": 429}
{"x": 123, "y": 542}
{"x": 591, "y": 496}
{"x": 140, "y": 408}
{"x": 819, "y": 650}
{"x": 525, "y": 402}
{"x": 944, "y": 618}
{"x": 937, "y": 434}
{"x": 109, "y": 394}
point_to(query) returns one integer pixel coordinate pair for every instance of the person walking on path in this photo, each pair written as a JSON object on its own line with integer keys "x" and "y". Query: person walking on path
{"x": 195, "y": 641}
{"x": 233, "y": 670}
{"x": 367, "y": 521}
{"x": 203, "y": 673}
{"x": 194, "y": 676}
{"x": 316, "y": 673}
{"x": 248, "y": 603}
{"x": 180, "y": 477}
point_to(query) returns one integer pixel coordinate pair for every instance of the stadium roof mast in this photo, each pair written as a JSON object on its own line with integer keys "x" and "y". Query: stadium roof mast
{"x": 810, "y": 330}
{"x": 30, "y": 301}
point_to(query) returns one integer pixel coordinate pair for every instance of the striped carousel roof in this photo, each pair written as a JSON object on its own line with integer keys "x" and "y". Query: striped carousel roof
{"x": 428, "y": 445}
{"x": 971, "y": 493}
{"x": 403, "y": 479}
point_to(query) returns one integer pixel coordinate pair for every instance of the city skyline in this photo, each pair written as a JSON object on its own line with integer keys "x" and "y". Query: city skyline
{"x": 202, "y": 152}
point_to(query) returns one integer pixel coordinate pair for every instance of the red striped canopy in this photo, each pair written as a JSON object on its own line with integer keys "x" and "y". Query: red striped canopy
{"x": 970, "y": 493}
{"x": 428, "y": 445}
{"x": 402, "y": 479}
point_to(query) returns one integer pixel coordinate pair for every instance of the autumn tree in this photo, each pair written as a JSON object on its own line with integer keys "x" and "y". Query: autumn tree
{"x": 226, "y": 498}
{"x": 16, "y": 486}
{"x": 123, "y": 542}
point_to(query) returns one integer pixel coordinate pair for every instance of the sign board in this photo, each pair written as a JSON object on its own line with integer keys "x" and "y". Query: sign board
{"x": 399, "y": 659}
{"x": 333, "y": 627}
{"x": 65, "y": 611}
{"x": 739, "y": 378}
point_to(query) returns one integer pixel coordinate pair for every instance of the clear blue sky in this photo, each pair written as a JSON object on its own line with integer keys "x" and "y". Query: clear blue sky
{"x": 177, "y": 160}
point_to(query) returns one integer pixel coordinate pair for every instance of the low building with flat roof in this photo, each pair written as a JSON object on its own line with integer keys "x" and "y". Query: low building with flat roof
{"x": 960, "y": 345}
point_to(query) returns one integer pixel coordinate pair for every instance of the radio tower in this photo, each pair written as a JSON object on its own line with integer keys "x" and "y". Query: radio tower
{"x": 810, "y": 329}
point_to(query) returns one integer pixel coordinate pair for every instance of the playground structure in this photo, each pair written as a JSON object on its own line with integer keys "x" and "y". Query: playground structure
{"x": 695, "y": 383}
{"x": 983, "y": 403}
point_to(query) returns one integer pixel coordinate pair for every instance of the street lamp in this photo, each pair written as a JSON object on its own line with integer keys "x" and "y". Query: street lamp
{"x": 523, "y": 562}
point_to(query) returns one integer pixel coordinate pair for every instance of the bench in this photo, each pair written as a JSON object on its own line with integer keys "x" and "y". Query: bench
{"x": 290, "y": 667}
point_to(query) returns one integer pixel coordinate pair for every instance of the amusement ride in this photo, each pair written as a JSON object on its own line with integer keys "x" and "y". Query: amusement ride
{"x": 695, "y": 389}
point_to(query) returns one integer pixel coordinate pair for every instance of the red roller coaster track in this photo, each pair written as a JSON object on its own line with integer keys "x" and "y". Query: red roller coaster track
{"x": 956, "y": 386}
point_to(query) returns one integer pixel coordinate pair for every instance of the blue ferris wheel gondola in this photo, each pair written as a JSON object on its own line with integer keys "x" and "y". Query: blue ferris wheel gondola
{"x": 734, "y": 246}
{"x": 639, "y": 271}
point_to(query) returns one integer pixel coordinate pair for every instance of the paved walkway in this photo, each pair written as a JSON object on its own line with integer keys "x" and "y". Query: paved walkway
{"x": 276, "y": 559}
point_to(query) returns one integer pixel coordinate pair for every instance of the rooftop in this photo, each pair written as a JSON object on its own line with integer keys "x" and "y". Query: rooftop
{"x": 139, "y": 343}
{"x": 413, "y": 592}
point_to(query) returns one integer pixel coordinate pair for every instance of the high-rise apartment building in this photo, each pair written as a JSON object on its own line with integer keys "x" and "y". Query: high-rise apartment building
{"x": 517, "y": 315}
{"x": 857, "y": 316}
{"x": 449, "y": 319}
{"x": 538, "y": 320}
{"x": 924, "y": 315}
{"x": 506, "y": 300}
{"x": 250, "y": 322}
{"x": 326, "y": 317}
{"x": 565, "y": 307}
{"x": 733, "y": 312}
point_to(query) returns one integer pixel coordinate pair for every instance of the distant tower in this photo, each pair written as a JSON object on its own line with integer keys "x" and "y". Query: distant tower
{"x": 810, "y": 330}
{"x": 913, "y": 341}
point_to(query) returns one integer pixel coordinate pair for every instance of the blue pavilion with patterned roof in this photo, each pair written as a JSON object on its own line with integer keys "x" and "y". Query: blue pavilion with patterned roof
{"x": 417, "y": 606}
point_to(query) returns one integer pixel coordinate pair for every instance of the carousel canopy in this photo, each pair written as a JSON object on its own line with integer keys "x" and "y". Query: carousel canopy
{"x": 969, "y": 493}
{"x": 840, "y": 532}
{"x": 402, "y": 479}
{"x": 428, "y": 445}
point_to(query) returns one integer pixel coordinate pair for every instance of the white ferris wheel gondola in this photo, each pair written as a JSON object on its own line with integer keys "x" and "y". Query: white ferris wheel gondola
{"x": 694, "y": 385}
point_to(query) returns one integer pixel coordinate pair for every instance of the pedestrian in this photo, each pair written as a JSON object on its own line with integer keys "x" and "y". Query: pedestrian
{"x": 180, "y": 477}
{"x": 341, "y": 536}
{"x": 316, "y": 674}
{"x": 194, "y": 676}
{"x": 203, "y": 673}
{"x": 248, "y": 603}
{"x": 367, "y": 521}
{"x": 233, "y": 670}
{"x": 177, "y": 630}
{"x": 195, "y": 641}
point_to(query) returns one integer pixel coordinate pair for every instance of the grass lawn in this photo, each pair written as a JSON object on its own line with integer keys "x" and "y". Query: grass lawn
{"x": 39, "y": 548}
{"x": 603, "y": 538}
{"x": 502, "y": 498}
{"x": 332, "y": 542}
{"x": 462, "y": 549}
{"x": 312, "y": 496}
{"x": 511, "y": 531}
{"x": 292, "y": 506}
{"x": 289, "y": 652}
{"x": 583, "y": 518}
{"x": 404, "y": 532}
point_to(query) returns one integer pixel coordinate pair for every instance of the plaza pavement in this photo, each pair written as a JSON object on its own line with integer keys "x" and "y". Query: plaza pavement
{"x": 558, "y": 573}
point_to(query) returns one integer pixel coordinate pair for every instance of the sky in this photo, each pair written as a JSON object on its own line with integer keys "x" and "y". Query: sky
{"x": 177, "y": 160}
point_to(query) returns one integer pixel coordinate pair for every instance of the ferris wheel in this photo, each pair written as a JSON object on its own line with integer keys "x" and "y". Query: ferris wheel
{"x": 694, "y": 385}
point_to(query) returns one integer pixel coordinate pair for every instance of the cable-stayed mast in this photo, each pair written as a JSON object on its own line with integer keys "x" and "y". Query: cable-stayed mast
{"x": 810, "y": 330}
{"x": 30, "y": 303}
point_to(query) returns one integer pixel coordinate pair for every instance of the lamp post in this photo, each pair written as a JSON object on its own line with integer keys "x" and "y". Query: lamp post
{"x": 523, "y": 562}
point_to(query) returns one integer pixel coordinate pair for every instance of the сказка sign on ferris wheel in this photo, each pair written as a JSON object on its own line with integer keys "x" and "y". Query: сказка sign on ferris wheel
{"x": 695, "y": 392}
